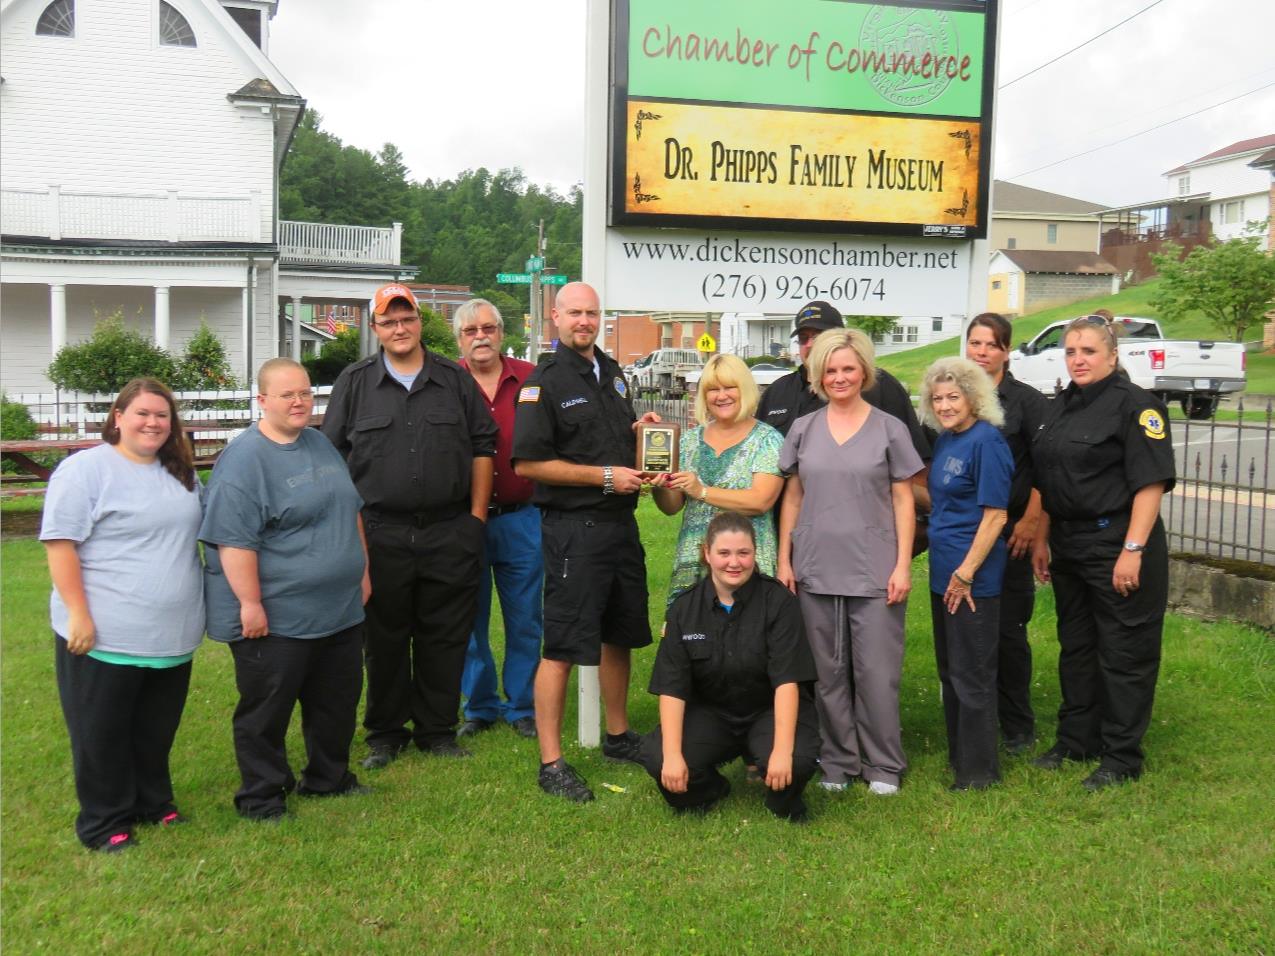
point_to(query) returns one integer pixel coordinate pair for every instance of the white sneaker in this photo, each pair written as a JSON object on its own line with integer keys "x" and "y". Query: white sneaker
{"x": 834, "y": 787}
{"x": 883, "y": 789}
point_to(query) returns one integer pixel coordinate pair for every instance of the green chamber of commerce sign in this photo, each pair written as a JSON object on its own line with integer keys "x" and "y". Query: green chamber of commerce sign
{"x": 829, "y": 114}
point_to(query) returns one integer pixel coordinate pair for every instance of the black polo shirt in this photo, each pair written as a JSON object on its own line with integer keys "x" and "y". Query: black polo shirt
{"x": 410, "y": 450}
{"x": 790, "y": 397}
{"x": 733, "y": 661}
{"x": 1025, "y": 410}
{"x": 568, "y": 413}
{"x": 1100, "y": 444}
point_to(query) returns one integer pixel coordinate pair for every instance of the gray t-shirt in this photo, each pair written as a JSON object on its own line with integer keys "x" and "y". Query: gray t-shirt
{"x": 296, "y": 506}
{"x": 134, "y": 528}
{"x": 845, "y": 541}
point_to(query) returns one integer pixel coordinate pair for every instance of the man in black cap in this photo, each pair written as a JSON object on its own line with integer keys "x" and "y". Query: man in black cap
{"x": 790, "y": 397}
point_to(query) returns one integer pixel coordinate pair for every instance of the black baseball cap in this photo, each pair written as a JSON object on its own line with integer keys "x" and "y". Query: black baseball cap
{"x": 818, "y": 315}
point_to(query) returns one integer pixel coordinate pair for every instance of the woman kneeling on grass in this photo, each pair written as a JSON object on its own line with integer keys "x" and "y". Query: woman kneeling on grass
{"x": 969, "y": 493}
{"x": 734, "y": 674}
{"x": 120, "y": 523}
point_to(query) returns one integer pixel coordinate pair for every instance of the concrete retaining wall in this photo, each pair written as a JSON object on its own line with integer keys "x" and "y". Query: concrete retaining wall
{"x": 1202, "y": 591}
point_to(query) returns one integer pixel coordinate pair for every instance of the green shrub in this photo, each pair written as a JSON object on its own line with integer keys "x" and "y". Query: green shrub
{"x": 112, "y": 356}
{"x": 16, "y": 423}
{"x": 333, "y": 357}
{"x": 203, "y": 365}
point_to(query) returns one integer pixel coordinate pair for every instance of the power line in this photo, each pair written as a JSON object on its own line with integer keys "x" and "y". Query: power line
{"x": 1152, "y": 129}
{"x": 1060, "y": 56}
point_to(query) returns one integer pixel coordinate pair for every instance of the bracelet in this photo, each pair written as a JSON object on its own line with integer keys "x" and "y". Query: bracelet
{"x": 608, "y": 480}
{"x": 968, "y": 584}
{"x": 703, "y": 493}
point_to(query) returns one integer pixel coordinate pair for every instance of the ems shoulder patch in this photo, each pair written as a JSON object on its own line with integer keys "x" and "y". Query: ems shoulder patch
{"x": 620, "y": 386}
{"x": 530, "y": 393}
{"x": 1151, "y": 423}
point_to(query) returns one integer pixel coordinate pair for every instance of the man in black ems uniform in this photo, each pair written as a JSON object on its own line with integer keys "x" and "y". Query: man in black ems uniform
{"x": 573, "y": 436}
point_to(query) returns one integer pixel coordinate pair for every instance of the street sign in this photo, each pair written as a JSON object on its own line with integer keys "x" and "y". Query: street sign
{"x": 553, "y": 280}
{"x": 706, "y": 343}
{"x": 535, "y": 263}
{"x": 513, "y": 278}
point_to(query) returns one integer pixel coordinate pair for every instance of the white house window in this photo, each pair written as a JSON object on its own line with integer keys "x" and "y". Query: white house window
{"x": 911, "y": 332}
{"x": 996, "y": 283}
{"x": 1184, "y": 184}
{"x": 936, "y": 324}
{"x": 57, "y": 20}
{"x": 174, "y": 29}
{"x": 1051, "y": 233}
{"x": 1011, "y": 243}
{"x": 1233, "y": 212}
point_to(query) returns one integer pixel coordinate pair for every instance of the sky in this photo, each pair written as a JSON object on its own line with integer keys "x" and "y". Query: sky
{"x": 500, "y": 84}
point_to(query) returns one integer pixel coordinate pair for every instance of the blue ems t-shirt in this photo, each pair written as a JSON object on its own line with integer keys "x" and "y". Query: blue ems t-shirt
{"x": 971, "y": 471}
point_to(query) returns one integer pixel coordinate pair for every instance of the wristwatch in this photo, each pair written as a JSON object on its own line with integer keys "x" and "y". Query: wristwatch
{"x": 1134, "y": 546}
{"x": 608, "y": 480}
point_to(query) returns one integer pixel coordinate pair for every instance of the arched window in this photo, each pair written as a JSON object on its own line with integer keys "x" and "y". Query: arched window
{"x": 57, "y": 20}
{"x": 174, "y": 29}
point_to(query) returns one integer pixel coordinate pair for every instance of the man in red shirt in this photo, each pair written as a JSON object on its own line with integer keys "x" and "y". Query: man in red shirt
{"x": 513, "y": 541}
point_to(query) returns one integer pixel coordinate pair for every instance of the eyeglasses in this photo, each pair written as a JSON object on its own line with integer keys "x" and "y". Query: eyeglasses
{"x": 397, "y": 323}
{"x": 290, "y": 397}
{"x": 486, "y": 331}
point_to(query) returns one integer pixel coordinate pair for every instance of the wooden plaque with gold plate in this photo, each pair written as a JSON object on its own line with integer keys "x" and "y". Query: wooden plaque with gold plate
{"x": 657, "y": 447}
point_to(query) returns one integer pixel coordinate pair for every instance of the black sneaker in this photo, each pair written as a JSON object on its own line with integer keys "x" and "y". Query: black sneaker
{"x": 1052, "y": 759}
{"x": 474, "y": 726}
{"x": 380, "y": 757}
{"x": 525, "y": 727}
{"x": 1102, "y": 778}
{"x": 446, "y": 748}
{"x": 559, "y": 779}
{"x": 626, "y": 746}
{"x": 1020, "y": 745}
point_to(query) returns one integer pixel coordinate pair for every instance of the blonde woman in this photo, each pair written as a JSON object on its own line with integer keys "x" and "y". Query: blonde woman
{"x": 730, "y": 462}
{"x": 969, "y": 479}
{"x": 845, "y": 548}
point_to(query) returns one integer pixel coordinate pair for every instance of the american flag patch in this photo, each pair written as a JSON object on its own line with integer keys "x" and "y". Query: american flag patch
{"x": 530, "y": 393}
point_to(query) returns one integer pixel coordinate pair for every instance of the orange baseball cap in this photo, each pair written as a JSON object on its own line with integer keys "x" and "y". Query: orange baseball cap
{"x": 388, "y": 293}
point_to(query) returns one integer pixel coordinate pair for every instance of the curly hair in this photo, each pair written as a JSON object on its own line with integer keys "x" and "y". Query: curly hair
{"x": 834, "y": 340}
{"x": 175, "y": 454}
{"x": 975, "y": 384}
{"x": 727, "y": 370}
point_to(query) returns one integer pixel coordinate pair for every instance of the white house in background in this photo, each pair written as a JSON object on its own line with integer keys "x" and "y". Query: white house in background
{"x": 752, "y": 333}
{"x": 1227, "y": 191}
{"x": 140, "y": 149}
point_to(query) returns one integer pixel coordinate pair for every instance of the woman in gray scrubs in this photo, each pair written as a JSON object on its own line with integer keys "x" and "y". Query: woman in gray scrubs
{"x": 845, "y": 548}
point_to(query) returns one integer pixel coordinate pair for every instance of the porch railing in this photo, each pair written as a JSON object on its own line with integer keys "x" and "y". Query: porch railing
{"x": 310, "y": 242}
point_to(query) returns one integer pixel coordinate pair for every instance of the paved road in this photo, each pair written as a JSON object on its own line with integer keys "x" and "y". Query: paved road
{"x": 1213, "y": 453}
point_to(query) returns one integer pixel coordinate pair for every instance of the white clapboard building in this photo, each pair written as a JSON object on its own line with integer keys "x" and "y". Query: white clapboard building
{"x": 140, "y": 148}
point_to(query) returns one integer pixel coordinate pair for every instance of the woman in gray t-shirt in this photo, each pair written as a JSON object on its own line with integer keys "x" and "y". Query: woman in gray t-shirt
{"x": 120, "y": 525}
{"x": 845, "y": 548}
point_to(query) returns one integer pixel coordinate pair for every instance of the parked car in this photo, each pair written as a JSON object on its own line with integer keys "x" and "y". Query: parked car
{"x": 764, "y": 374}
{"x": 1195, "y": 373}
{"x": 665, "y": 371}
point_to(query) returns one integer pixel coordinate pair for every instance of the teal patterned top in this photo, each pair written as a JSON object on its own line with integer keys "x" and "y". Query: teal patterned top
{"x": 758, "y": 453}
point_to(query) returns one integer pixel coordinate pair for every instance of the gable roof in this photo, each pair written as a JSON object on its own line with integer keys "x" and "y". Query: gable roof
{"x": 1235, "y": 149}
{"x": 1265, "y": 161}
{"x": 1069, "y": 263}
{"x": 1010, "y": 197}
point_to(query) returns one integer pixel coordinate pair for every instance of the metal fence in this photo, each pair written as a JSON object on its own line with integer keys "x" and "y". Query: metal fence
{"x": 1223, "y": 503}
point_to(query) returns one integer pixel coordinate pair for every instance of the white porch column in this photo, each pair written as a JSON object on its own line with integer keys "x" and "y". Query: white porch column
{"x": 162, "y": 324}
{"x": 296, "y": 328}
{"x": 397, "y": 251}
{"x": 57, "y": 318}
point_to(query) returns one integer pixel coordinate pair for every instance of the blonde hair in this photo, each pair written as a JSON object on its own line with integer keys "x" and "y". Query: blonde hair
{"x": 273, "y": 365}
{"x": 975, "y": 384}
{"x": 834, "y": 340}
{"x": 727, "y": 370}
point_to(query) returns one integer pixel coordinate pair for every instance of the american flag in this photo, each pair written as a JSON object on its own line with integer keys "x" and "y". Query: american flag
{"x": 331, "y": 322}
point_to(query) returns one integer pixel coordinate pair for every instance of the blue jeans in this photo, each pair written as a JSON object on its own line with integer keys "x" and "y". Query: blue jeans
{"x": 513, "y": 556}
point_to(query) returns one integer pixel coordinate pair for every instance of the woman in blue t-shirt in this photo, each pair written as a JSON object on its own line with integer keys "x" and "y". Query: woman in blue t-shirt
{"x": 969, "y": 491}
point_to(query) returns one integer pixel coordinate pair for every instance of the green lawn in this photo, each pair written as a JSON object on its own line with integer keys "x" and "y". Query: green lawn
{"x": 470, "y": 857}
{"x": 910, "y": 366}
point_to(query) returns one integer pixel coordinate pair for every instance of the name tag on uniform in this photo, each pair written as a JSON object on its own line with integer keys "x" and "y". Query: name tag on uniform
{"x": 694, "y": 637}
{"x": 530, "y": 393}
{"x": 572, "y": 402}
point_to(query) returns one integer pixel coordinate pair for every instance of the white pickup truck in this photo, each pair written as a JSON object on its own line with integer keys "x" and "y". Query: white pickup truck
{"x": 665, "y": 371}
{"x": 1196, "y": 373}
{"x": 764, "y": 374}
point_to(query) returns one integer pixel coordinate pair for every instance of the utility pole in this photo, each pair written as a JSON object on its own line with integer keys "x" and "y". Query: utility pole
{"x": 537, "y": 300}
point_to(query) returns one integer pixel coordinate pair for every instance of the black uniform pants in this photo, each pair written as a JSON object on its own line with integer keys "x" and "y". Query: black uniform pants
{"x": 1014, "y": 653}
{"x": 1109, "y": 646}
{"x": 122, "y": 721}
{"x": 272, "y": 675}
{"x": 424, "y": 598}
{"x": 710, "y": 739}
{"x": 965, "y": 648}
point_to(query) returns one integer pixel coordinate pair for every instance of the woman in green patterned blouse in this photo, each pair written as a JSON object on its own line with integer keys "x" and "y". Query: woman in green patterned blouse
{"x": 729, "y": 463}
